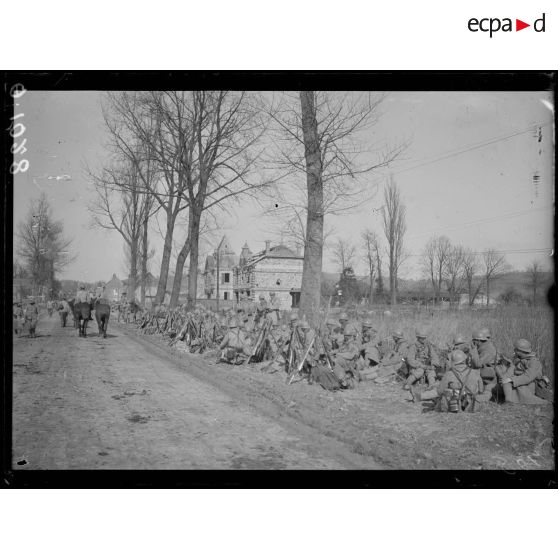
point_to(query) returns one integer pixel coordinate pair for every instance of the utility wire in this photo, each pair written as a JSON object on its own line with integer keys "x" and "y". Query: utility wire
{"x": 484, "y": 143}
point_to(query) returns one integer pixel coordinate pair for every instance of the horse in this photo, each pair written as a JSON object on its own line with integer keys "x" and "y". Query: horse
{"x": 102, "y": 315}
{"x": 82, "y": 314}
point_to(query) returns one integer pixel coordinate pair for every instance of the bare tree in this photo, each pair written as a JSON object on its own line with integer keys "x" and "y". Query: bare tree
{"x": 535, "y": 276}
{"x": 124, "y": 205}
{"x": 371, "y": 253}
{"x": 494, "y": 265}
{"x": 471, "y": 268}
{"x": 453, "y": 272}
{"x": 343, "y": 253}
{"x": 322, "y": 137}
{"x": 434, "y": 261}
{"x": 42, "y": 247}
{"x": 393, "y": 213}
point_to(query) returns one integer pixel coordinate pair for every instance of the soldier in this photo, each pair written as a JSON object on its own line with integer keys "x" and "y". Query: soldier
{"x": 261, "y": 310}
{"x": 346, "y": 357}
{"x": 370, "y": 348}
{"x": 19, "y": 319}
{"x": 421, "y": 360}
{"x": 49, "y": 307}
{"x": 394, "y": 361}
{"x": 518, "y": 381}
{"x": 234, "y": 347}
{"x": 457, "y": 377}
{"x": 483, "y": 358}
{"x": 343, "y": 321}
{"x": 274, "y": 306}
{"x": 32, "y": 316}
{"x": 82, "y": 295}
{"x": 63, "y": 311}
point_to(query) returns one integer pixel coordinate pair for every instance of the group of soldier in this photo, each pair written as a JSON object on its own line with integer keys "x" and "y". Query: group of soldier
{"x": 344, "y": 352}
{"x": 25, "y": 315}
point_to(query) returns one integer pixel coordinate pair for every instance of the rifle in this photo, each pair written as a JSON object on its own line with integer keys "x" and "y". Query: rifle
{"x": 299, "y": 368}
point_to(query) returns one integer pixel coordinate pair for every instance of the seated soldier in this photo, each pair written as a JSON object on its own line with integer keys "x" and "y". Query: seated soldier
{"x": 459, "y": 377}
{"x": 394, "y": 361}
{"x": 346, "y": 357}
{"x": 421, "y": 360}
{"x": 234, "y": 346}
{"x": 369, "y": 352}
{"x": 518, "y": 381}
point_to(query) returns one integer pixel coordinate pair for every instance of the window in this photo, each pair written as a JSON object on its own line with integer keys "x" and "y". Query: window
{"x": 225, "y": 277}
{"x": 226, "y": 295}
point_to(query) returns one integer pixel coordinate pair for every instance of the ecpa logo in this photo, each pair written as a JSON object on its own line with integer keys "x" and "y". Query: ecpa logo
{"x": 494, "y": 24}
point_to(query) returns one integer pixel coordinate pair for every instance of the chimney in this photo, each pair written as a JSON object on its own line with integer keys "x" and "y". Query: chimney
{"x": 267, "y": 245}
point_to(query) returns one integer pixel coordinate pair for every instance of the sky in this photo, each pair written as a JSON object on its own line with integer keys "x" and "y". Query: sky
{"x": 467, "y": 173}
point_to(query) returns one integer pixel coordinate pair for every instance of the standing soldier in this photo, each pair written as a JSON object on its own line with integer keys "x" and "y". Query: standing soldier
{"x": 19, "y": 319}
{"x": 63, "y": 311}
{"x": 483, "y": 358}
{"x": 261, "y": 310}
{"x": 421, "y": 360}
{"x": 32, "y": 316}
{"x": 518, "y": 381}
{"x": 274, "y": 306}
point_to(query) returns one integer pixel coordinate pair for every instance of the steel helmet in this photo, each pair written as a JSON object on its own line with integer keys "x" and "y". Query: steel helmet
{"x": 350, "y": 330}
{"x": 233, "y": 323}
{"x": 486, "y": 332}
{"x": 479, "y": 335}
{"x": 294, "y": 317}
{"x": 367, "y": 324}
{"x": 459, "y": 339}
{"x": 303, "y": 324}
{"x": 458, "y": 357}
{"x": 343, "y": 316}
{"x": 397, "y": 334}
{"x": 522, "y": 345}
{"x": 332, "y": 321}
{"x": 420, "y": 332}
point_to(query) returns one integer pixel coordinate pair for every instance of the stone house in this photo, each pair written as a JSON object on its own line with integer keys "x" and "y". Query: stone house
{"x": 220, "y": 266}
{"x": 276, "y": 269}
{"x": 114, "y": 288}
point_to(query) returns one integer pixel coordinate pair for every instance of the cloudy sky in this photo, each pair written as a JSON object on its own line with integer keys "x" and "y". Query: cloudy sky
{"x": 476, "y": 170}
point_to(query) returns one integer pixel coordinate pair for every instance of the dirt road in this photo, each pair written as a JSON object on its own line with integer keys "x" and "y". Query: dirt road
{"x": 122, "y": 403}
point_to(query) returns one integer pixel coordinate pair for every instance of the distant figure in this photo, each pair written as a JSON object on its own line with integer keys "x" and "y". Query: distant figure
{"x": 32, "y": 317}
{"x": 19, "y": 319}
{"x": 82, "y": 295}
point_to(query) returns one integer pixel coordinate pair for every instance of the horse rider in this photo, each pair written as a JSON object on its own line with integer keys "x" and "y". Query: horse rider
{"x": 82, "y": 295}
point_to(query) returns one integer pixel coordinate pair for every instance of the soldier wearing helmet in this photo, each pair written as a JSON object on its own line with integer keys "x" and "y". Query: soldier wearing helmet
{"x": 518, "y": 381}
{"x": 484, "y": 358}
{"x": 459, "y": 377}
{"x": 343, "y": 321}
{"x": 234, "y": 347}
{"x": 370, "y": 346}
{"x": 422, "y": 359}
{"x": 394, "y": 361}
{"x": 346, "y": 357}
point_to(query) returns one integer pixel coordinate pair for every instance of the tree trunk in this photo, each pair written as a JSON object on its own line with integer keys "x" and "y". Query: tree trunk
{"x": 380, "y": 278}
{"x": 371, "y": 289}
{"x": 312, "y": 268}
{"x": 165, "y": 262}
{"x": 487, "y": 290}
{"x": 144, "y": 247}
{"x": 392, "y": 280}
{"x": 133, "y": 269}
{"x": 179, "y": 272}
{"x": 194, "y": 256}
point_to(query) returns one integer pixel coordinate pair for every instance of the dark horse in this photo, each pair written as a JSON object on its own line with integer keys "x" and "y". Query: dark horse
{"x": 102, "y": 315}
{"x": 82, "y": 314}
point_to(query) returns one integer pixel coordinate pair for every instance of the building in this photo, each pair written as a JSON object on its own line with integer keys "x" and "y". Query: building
{"x": 114, "y": 288}
{"x": 276, "y": 269}
{"x": 220, "y": 266}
